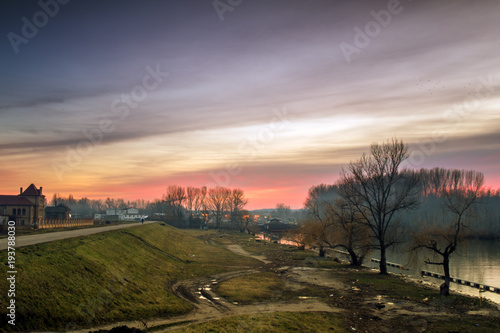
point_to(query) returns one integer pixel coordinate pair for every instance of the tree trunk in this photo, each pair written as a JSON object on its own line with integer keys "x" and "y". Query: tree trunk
{"x": 321, "y": 251}
{"x": 383, "y": 260}
{"x": 445, "y": 287}
{"x": 354, "y": 258}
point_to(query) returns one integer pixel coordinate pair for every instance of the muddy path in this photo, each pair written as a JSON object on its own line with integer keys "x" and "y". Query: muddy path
{"x": 237, "y": 249}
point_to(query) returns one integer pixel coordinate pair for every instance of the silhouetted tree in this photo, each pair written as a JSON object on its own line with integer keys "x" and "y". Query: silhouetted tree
{"x": 461, "y": 191}
{"x": 380, "y": 192}
{"x": 217, "y": 201}
{"x": 283, "y": 212}
{"x": 236, "y": 203}
{"x": 175, "y": 197}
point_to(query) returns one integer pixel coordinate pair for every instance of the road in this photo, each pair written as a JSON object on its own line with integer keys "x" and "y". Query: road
{"x": 58, "y": 235}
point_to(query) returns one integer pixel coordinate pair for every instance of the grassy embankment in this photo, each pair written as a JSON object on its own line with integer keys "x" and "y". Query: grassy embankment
{"x": 23, "y": 231}
{"x": 108, "y": 277}
{"x": 277, "y": 322}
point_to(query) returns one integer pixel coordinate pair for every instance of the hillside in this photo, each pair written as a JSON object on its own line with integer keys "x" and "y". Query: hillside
{"x": 108, "y": 277}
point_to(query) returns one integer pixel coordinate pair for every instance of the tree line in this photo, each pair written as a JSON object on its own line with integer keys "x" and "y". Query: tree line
{"x": 179, "y": 206}
{"x": 377, "y": 204}
{"x": 223, "y": 206}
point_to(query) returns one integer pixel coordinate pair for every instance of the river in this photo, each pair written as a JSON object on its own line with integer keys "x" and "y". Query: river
{"x": 476, "y": 261}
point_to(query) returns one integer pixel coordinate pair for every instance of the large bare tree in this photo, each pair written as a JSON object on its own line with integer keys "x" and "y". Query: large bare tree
{"x": 460, "y": 191}
{"x": 217, "y": 201}
{"x": 380, "y": 191}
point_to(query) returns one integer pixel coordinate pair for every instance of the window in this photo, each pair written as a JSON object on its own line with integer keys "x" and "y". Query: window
{"x": 24, "y": 211}
{"x": 19, "y": 211}
{"x": 13, "y": 211}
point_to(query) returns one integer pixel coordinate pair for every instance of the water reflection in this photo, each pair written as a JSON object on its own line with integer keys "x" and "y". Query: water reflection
{"x": 476, "y": 261}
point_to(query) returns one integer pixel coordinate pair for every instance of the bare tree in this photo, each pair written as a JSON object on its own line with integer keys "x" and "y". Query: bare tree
{"x": 351, "y": 233}
{"x": 380, "y": 192}
{"x": 192, "y": 194}
{"x": 461, "y": 191}
{"x": 299, "y": 235}
{"x": 236, "y": 203}
{"x": 335, "y": 223}
{"x": 217, "y": 201}
{"x": 110, "y": 203}
{"x": 318, "y": 225}
{"x": 174, "y": 198}
{"x": 282, "y": 211}
{"x": 199, "y": 202}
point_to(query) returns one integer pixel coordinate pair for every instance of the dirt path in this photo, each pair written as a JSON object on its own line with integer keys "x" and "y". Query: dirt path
{"x": 237, "y": 249}
{"x": 209, "y": 306}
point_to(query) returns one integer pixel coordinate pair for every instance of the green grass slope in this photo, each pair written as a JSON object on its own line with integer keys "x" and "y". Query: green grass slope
{"x": 278, "y": 322}
{"x": 113, "y": 276}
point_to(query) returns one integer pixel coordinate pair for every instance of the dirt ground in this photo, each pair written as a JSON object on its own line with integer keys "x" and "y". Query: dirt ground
{"x": 362, "y": 310}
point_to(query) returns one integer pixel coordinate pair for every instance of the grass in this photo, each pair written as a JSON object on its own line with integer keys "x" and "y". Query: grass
{"x": 113, "y": 276}
{"x": 252, "y": 288}
{"x": 395, "y": 287}
{"x": 264, "y": 287}
{"x": 284, "y": 255}
{"x": 278, "y": 322}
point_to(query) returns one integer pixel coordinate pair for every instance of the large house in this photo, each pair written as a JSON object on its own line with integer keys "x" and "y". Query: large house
{"x": 26, "y": 208}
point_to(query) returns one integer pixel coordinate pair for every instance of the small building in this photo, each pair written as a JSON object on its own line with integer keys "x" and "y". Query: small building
{"x": 59, "y": 212}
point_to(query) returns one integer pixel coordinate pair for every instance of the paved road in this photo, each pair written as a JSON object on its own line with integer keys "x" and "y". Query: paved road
{"x": 58, "y": 235}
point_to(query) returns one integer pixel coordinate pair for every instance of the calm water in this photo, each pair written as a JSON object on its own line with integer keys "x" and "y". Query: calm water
{"x": 476, "y": 261}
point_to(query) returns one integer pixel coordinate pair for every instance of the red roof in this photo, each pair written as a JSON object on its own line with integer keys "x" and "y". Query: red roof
{"x": 14, "y": 200}
{"x": 31, "y": 191}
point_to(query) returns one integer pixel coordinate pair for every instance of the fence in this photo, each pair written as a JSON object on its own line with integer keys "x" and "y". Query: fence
{"x": 476, "y": 285}
{"x": 64, "y": 223}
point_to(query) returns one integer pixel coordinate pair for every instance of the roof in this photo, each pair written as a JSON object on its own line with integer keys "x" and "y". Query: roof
{"x": 31, "y": 191}
{"x": 14, "y": 200}
{"x": 61, "y": 208}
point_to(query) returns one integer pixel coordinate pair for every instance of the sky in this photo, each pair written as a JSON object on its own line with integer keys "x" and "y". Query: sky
{"x": 123, "y": 98}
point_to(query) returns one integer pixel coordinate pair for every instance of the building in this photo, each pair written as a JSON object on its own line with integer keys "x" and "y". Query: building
{"x": 131, "y": 214}
{"x": 59, "y": 212}
{"x": 26, "y": 208}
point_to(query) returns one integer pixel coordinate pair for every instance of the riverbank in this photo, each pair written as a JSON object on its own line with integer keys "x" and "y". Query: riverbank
{"x": 164, "y": 279}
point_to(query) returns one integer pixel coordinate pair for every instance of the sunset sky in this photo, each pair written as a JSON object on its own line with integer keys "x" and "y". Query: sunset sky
{"x": 122, "y": 98}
